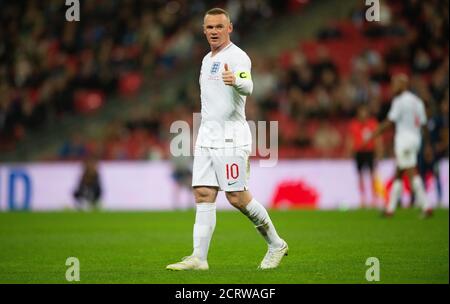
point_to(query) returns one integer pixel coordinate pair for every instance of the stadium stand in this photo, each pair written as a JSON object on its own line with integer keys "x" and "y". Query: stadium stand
{"x": 51, "y": 69}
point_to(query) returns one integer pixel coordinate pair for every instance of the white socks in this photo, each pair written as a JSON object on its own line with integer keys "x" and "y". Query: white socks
{"x": 419, "y": 192}
{"x": 205, "y": 222}
{"x": 260, "y": 218}
{"x": 395, "y": 194}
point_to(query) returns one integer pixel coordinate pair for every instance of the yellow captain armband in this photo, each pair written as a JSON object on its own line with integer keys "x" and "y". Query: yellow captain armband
{"x": 243, "y": 75}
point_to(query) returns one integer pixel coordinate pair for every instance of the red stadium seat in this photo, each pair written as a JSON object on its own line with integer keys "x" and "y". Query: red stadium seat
{"x": 348, "y": 29}
{"x": 130, "y": 83}
{"x": 400, "y": 69}
{"x": 88, "y": 101}
{"x": 285, "y": 59}
{"x": 309, "y": 48}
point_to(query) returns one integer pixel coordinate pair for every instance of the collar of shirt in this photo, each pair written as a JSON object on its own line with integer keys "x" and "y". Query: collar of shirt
{"x": 210, "y": 53}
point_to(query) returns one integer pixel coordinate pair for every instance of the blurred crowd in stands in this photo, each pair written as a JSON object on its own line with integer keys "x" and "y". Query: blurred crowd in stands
{"x": 47, "y": 64}
{"x": 318, "y": 86}
{"x": 51, "y": 68}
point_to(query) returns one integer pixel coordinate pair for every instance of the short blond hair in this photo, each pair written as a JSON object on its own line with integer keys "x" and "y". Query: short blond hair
{"x": 218, "y": 11}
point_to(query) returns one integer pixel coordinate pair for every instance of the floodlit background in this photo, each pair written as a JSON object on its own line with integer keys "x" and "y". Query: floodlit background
{"x": 107, "y": 89}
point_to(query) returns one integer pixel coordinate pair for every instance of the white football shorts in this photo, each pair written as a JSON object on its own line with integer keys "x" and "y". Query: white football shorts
{"x": 225, "y": 168}
{"x": 406, "y": 150}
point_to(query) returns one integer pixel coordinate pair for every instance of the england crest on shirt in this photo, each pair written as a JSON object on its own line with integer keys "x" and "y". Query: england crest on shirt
{"x": 215, "y": 67}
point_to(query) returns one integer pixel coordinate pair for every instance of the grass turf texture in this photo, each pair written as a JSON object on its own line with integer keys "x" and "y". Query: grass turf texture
{"x": 123, "y": 247}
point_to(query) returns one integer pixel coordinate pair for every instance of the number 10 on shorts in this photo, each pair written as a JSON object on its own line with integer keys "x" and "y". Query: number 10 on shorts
{"x": 232, "y": 171}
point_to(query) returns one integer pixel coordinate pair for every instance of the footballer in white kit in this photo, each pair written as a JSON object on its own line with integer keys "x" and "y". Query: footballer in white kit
{"x": 224, "y": 140}
{"x": 408, "y": 114}
{"x": 223, "y": 146}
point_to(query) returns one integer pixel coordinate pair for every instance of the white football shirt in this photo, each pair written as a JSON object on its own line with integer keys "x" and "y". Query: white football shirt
{"x": 408, "y": 113}
{"x": 223, "y": 121}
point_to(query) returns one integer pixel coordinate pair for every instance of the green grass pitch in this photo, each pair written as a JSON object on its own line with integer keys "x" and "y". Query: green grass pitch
{"x": 135, "y": 247}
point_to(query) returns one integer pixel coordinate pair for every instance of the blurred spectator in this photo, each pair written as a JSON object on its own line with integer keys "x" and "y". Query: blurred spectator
{"x": 326, "y": 139}
{"x": 262, "y": 74}
{"x": 74, "y": 148}
{"x": 89, "y": 190}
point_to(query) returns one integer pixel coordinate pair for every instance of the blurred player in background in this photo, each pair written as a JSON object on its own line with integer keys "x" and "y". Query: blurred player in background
{"x": 437, "y": 148}
{"x": 89, "y": 190}
{"x": 360, "y": 129}
{"x": 224, "y": 144}
{"x": 407, "y": 113}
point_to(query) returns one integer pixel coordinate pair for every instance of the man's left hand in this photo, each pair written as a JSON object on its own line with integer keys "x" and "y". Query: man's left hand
{"x": 228, "y": 76}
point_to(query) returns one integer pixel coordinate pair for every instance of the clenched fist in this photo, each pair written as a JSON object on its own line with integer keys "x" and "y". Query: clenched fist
{"x": 228, "y": 76}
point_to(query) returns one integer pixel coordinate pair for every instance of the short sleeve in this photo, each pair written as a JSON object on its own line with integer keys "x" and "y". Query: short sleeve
{"x": 422, "y": 114}
{"x": 394, "y": 111}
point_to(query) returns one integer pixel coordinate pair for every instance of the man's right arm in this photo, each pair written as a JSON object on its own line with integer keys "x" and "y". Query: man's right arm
{"x": 392, "y": 116}
{"x": 386, "y": 124}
